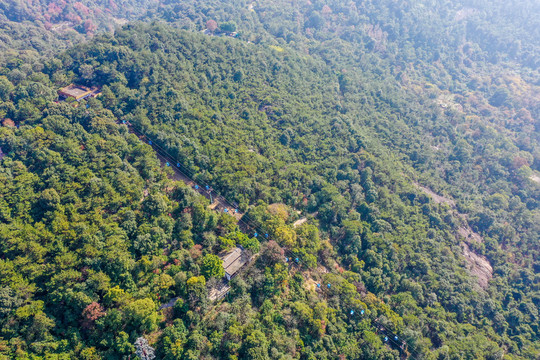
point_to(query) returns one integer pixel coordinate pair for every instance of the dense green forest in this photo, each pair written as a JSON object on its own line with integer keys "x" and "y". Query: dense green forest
{"x": 406, "y": 133}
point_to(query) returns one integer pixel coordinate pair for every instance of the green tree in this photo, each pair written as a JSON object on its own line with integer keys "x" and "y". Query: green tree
{"x": 212, "y": 267}
{"x": 141, "y": 315}
{"x": 256, "y": 346}
{"x": 228, "y": 26}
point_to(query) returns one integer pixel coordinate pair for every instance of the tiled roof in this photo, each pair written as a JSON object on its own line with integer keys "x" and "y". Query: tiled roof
{"x": 233, "y": 261}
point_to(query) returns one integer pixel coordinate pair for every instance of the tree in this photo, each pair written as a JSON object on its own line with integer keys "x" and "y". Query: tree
{"x": 500, "y": 97}
{"x": 462, "y": 151}
{"x": 145, "y": 245}
{"x": 238, "y": 76}
{"x": 122, "y": 344}
{"x": 155, "y": 204}
{"x": 87, "y": 71}
{"x": 251, "y": 244}
{"x": 91, "y": 313}
{"x": 196, "y": 284}
{"x": 49, "y": 200}
{"x": 6, "y": 88}
{"x": 286, "y": 236}
{"x": 326, "y": 10}
{"x": 315, "y": 21}
{"x": 223, "y": 120}
{"x": 211, "y": 25}
{"x": 212, "y": 267}
{"x": 229, "y": 26}
{"x": 89, "y": 353}
{"x": 9, "y": 301}
{"x": 165, "y": 281}
{"x": 143, "y": 349}
{"x": 256, "y": 346}
{"x": 196, "y": 288}
{"x": 89, "y": 27}
{"x": 272, "y": 253}
{"x": 141, "y": 315}
{"x": 226, "y": 243}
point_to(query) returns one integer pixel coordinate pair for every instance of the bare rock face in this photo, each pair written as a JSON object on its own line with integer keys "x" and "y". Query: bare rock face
{"x": 468, "y": 234}
{"x": 478, "y": 266}
{"x": 299, "y": 222}
{"x": 434, "y": 196}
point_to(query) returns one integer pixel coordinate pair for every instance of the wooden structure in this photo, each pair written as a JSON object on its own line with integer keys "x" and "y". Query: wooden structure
{"x": 78, "y": 92}
{"x": 234, "y": 261}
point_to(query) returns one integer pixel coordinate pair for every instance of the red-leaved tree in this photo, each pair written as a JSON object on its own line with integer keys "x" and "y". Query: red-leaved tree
{"x": 91, "y": 313}
{"x": 211, "y": 25}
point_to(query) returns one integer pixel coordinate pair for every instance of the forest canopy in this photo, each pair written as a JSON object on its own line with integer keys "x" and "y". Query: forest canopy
{"x": 386, "y": 157}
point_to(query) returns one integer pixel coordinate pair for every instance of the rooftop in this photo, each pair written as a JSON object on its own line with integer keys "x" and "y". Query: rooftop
{"x": 77, "y": 92}
{"x": 234, "y": 260}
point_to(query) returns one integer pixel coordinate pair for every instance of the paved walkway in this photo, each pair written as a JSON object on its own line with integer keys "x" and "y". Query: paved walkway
{"x": 219, "y": 291}
{"x": 169, "y": 304}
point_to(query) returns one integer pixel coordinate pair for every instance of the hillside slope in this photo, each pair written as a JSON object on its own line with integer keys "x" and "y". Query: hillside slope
{"x": 263, "y": 125}
{"x": 407, "y": 135}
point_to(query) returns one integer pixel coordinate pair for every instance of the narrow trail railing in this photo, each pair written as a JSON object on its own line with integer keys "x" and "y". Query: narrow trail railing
{"x": 249, "y": 226}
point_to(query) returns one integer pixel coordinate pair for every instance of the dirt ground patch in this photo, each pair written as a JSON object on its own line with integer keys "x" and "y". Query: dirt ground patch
{"x": 310, "y": 284}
